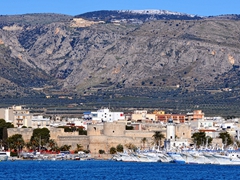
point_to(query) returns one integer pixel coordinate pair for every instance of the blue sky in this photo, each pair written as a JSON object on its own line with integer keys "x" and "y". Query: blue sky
{"x": 75, "y": 7}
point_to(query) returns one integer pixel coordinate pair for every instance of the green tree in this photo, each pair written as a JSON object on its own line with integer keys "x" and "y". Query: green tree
{"x": 52, "y": 144}
{"x": 16, "y": 142}
{"x": 81, "y": 131}
{"x": 79, "y": 147}
{"x": 3, "y": 126}
{"x": 34, "y": 143}
{"x": 143, "y": 141}
{"x": 158, "y": 136}
{"x": 3, "y": 123}
{"x": 119, "y": 148}
{"x": 200, "y": 138}
{"x": 131, "y": 146}
{"x": 65, "y": 147}
{"x": 43, "y": 135}
{"x": 101, "y": 151}
{"x": 113, "y": 150}
{"x": 226, "y": 138}
{"x": 129, "y": 127}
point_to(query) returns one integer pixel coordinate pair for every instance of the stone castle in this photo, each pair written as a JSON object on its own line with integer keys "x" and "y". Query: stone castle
{"x": 104, "y": 136}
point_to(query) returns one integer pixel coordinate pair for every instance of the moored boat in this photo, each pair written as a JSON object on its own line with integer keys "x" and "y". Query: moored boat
{"x": 3, "y": 156}
{"x": 177, "y": 158}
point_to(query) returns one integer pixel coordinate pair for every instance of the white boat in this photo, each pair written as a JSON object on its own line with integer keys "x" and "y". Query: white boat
{"x": 199, "y": 158}
{"x": 165, "y": 157}
{"x": 53, "y": 159}
{"x": 141, "y": 158}
{"x": 177, "y": 158}
{"x": 228, "y": 159}
{"x": 3, "y": 156}
{"x": 212, "y": 159}
{"x": 234, "y": 158}
{"x": 126, "y": 157}
{"x": 147, "y": 157}
{"x": 152, "y": 156}
{"x": 223, "y": 159}
{"x": 189, "y": 159}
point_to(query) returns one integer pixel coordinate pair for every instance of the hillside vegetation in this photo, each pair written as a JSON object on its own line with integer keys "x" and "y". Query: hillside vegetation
{"x": 181, "y": 62}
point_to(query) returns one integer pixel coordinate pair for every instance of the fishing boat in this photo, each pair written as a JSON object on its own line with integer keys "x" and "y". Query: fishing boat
{"x": 177, "y": 158}
{"x": 3, "y": 156}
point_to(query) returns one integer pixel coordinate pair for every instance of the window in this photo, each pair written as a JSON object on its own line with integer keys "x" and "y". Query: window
{"x": 94, "y": 115}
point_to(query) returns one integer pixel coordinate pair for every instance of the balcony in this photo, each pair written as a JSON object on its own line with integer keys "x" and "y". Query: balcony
{"x": 19, "y": 123}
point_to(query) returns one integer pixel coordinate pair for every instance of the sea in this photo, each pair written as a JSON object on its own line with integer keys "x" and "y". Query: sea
{"x": 113, "y": 170}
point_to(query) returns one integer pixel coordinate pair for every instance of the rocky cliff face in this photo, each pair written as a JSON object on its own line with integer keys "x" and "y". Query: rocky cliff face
{"x": 86, "y": 56}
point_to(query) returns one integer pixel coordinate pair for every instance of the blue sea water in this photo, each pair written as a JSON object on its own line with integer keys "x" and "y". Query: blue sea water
{"x": 106, "y": 170}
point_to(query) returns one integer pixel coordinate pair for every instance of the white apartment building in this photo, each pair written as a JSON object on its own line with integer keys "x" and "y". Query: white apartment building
{"x": 40, "y": 121}
{"x": 105, "y": 115}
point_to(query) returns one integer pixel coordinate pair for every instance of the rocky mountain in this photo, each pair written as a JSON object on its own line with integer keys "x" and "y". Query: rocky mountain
{"x": 166, "y": 58}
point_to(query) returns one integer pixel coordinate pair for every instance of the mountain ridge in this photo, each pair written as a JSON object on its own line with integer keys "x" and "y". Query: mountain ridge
{"x": 188, "y": 61}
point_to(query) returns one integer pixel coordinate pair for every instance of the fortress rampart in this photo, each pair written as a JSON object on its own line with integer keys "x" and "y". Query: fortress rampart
{"x": 100, "y": 136}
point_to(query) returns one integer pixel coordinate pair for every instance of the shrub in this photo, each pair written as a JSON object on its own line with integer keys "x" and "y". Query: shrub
{"x": 129, "y": 128}
{"x": 13, "y": 154}
{"x": 113, "y": 150}
{"x": 101, "y": 151}
{"x": 119, "y": 148}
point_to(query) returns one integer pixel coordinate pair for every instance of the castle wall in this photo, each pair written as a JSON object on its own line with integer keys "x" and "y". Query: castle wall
{"x": 138, "y": 134}
{"x": 183, "y": 131}
{"x": 102, "y": 136}
{"x": 73, "y": 141}
{"x": 25, "y": 132}
{"x": 56, "y": 132}
{"x": 114, "y": 128}
{"x": 95, "y": 130}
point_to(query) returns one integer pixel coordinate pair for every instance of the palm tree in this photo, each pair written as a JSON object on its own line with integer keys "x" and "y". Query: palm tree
{"x": 131, "y": 147}
{"x": 65, "y": 147}
{"x": 51, "y": 144}
{"x": 19, "y": 145}
{"x": 158, "y": 136}
{"x": 79, "y": 147}
{"x": 143, "y": 141}
{"x": 226, "y": 138}
{"x": 28, "y": 145}
{"x": 35, "y": 143}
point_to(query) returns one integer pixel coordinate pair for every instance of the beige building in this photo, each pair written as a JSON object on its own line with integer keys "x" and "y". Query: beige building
{"x": 195, "y": 115}
{"x": 6, "y": 114}
{"x": 141, "y": 115}
{"x": 18, "y": 115}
